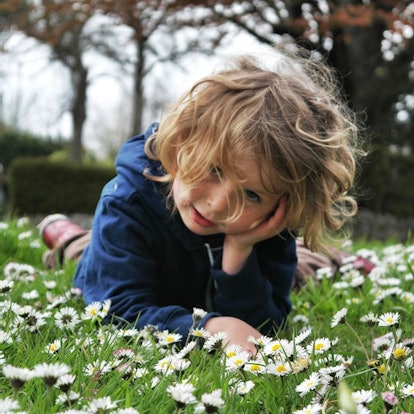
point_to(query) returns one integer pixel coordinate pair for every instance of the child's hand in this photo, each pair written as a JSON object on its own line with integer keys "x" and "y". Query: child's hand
{"x": 237, "y": 247}
{"x": 237, "y": 331}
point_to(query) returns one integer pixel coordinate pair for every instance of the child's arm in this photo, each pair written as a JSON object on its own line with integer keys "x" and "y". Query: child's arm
{"x": 237, "y": 331}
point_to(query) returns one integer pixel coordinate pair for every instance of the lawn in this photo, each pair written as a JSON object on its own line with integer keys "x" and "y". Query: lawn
{"x": 346, "y": 348}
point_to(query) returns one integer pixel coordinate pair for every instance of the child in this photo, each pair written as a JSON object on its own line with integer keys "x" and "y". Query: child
{"x": 205, "y": 206}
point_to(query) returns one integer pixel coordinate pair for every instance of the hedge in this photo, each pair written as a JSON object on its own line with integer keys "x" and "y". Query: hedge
{"x": 387, "y": 184}
{"x": 40, "y": 186}
{"x": 15, "y": 143}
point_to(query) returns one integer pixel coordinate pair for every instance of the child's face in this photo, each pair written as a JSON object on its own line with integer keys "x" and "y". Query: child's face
{"x": 205, "y": 207}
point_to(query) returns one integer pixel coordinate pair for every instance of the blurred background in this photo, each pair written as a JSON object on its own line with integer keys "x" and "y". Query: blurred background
{"x": 77, "y": 78}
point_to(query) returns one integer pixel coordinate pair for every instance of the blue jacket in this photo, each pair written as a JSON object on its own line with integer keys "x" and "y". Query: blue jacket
{"x": 154, "y": 270}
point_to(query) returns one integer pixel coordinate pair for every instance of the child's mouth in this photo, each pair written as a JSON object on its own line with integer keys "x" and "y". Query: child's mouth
{"x": 200, "y": 220}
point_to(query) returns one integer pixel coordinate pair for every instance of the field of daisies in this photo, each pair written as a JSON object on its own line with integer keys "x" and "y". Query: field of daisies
{"x": 346, "y": 349}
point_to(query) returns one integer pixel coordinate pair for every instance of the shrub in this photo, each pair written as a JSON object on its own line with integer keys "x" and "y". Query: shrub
{"x": 41, "y": 186}
{"x": 15, "y": 143}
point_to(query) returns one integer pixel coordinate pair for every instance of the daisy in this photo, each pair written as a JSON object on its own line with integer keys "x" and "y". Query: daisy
{"x": 105, "y": 308}
{"x": 407, "y": 297}
{"x": 409, "y": 363}
{"x": 370, "y": 319}
{"x": 50, "y": 284}
{"x": 55, "y": 301}
{"x": 67, "y": 318}
{"x": 232, "y": 350}
{"x": 25, "y": 235}
{"x": 170, "y": 364}
{"x": 300, "y": 364}
{"x": 260, "y": 342}
{"x": 139, "y": 373}
{"x": 129, "y": 334}
{"x": 18, "y": 271}
{"x": 389, "y": 319}
{"x": 34, "y": 320}
{"x": 22, "y": 221}
{"x": 166, "y": 338}
{"x": 278, "y": 368}
{"x": 357, "y": 281}
{"x": 339, "y": 317}
{"x": 17, "y": 376}
{"x": 50, "y": 373}
{"x": 198, "y": 314}
{"x": 35, "y": 244}
{"x": 8, "y": 405}
{"x": 5, "y": 337}
{"x": 97, "y": 369}
{"x": 68, "y": 398}
{"x": 124, "y": 353}
{"x": 408, "y": 390}
{"x": 101, "y": 405}
{"x": 243, "y": 387}
{"x": 212, "y": 401}
{"x": 363, "y": 396}
{"x": 401, "y": 352}
{"x": 347, "y": 264}
{"x": 309, "y": 384}
{"x": 6, "y": 286}
{"x": 155, "y": 381}
{"x": 53, "y": 347}
{"x": 237, "y": 361}
{"x": 340, "y": 285}
{"x": 65, "y": 382}
{"x": 331, "y": 375}
{"x": 200, "y": 333}
{"x": 255, "y": 367}
{"x": 23, "y": 311}
{"x": 302, "y": 335}
{"x": 187, "y": 349}
{"x": 319, "y": 346}
{"x": 33, "y": 294}
{"x": 389, "y": 281}
{"x": 310, "y": 409}
{"x": 324, "y": 273}
{"x": 409, "y": 277}
{"x": 182, "y": 393}
{"x": 277, "y": 347}
{"x": 390, "y": 400}
{"x": 128, "y": 410}
{"x": 92, "y": 311}
{"x": 215, "y": 342}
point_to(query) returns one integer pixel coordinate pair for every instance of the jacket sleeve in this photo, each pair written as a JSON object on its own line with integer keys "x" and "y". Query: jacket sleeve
{"x": 259, "y": 293}
{"x": 120, "y": 264}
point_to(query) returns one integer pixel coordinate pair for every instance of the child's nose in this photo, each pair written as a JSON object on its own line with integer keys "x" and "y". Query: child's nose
{"x": 220, "y": 196}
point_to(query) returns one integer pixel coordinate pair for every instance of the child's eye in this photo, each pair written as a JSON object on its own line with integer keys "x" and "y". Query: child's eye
{"x": 216, "y": 171}
{"x": 252, "y": 196}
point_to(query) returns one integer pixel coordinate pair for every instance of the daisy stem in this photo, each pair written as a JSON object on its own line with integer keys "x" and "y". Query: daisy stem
{"x": 358, "y": 339}
{"x": 372, "y": 342}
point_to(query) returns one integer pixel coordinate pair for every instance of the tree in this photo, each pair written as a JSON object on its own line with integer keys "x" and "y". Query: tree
{"x": 72, "y": 28}
{"x": 156, "y": 33}
{"x": 368, "y": 42}
{"x": 60, "y": 25}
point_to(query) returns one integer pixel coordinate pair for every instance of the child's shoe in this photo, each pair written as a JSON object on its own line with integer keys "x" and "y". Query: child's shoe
{"x": 57, "y": 231}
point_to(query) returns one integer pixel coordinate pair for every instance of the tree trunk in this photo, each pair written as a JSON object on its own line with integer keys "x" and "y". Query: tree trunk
{"x": 78, "y": 111}
{"x": 138, "y": 92}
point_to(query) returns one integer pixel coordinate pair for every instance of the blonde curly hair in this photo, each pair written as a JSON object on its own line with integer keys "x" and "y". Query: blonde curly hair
{"x": 290, "y": 120}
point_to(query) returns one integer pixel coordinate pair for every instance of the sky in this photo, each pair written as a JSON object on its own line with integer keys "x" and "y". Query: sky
{"x": 34, "y": 91}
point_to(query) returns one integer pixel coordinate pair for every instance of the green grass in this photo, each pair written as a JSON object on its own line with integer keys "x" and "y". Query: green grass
{"x": 340, "y": 365}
